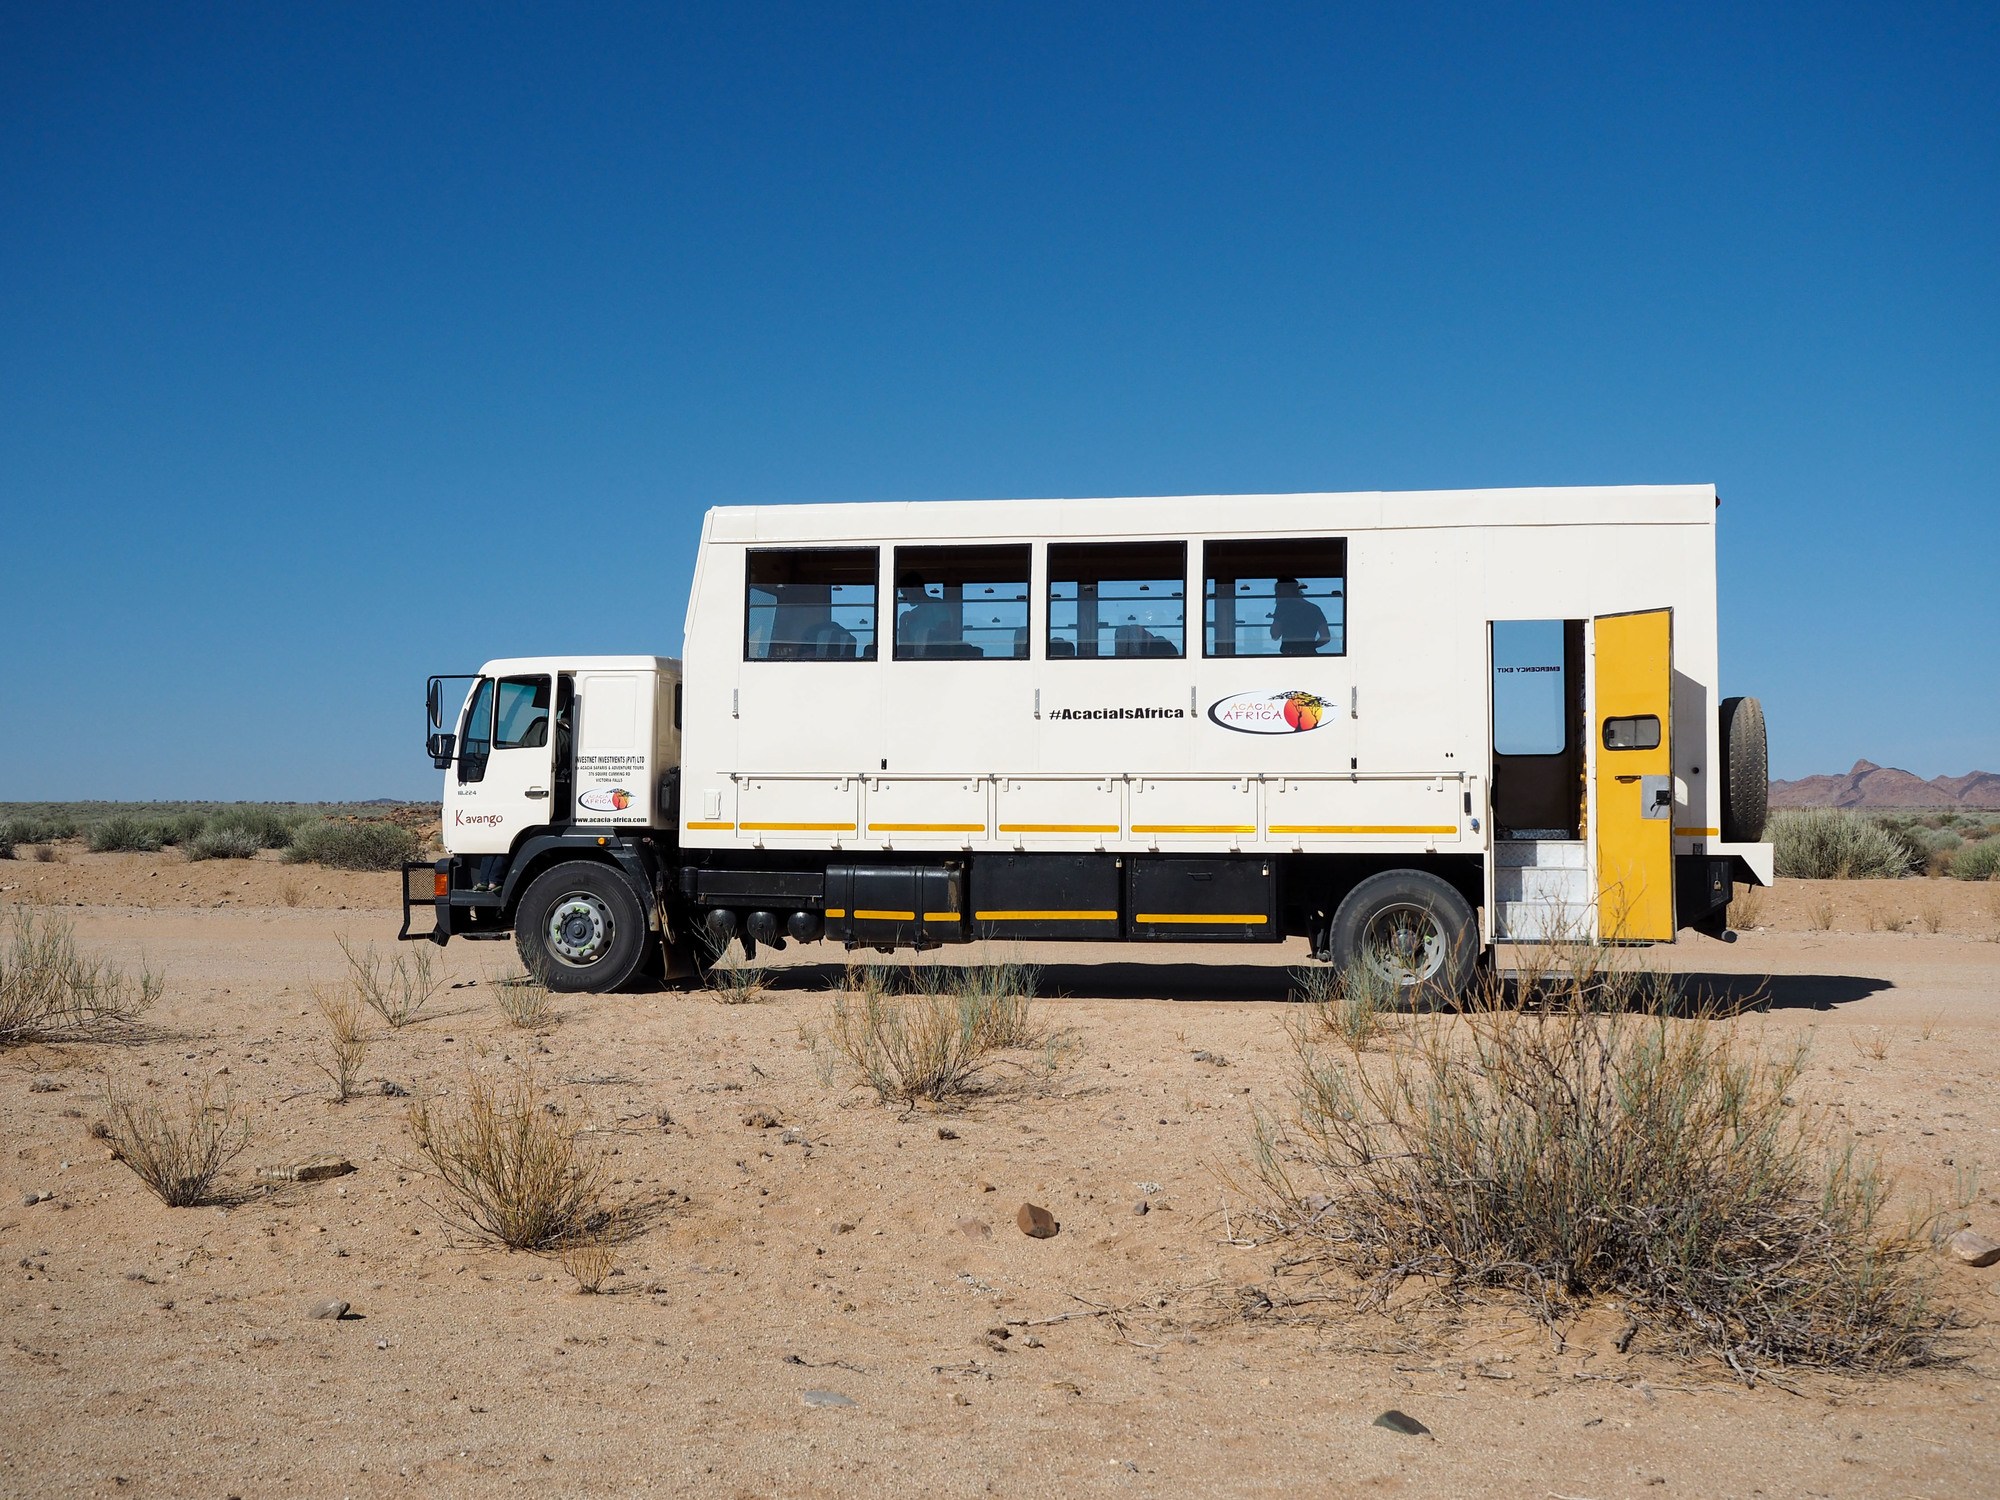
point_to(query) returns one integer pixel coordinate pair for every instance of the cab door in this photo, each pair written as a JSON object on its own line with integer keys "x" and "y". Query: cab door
{"x": 1633, "y": 781}
{"x": 507, "y": 790}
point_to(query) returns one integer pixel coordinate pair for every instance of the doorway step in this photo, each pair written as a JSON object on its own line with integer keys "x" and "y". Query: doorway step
{"x": 1542, "y": 891}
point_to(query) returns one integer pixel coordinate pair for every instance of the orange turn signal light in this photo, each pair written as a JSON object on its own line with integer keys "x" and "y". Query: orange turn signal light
{"x": 441, "y": 883}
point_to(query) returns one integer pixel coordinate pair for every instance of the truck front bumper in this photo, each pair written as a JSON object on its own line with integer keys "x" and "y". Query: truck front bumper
{"x": 433, "y": 909}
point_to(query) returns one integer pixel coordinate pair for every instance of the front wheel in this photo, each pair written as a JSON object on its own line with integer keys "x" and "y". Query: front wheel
{"x": 1410, "y": 930}
{"x": 580, "y": 929}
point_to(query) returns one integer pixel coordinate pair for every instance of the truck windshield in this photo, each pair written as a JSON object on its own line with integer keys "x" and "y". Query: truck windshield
{"x": 477, "y": 741}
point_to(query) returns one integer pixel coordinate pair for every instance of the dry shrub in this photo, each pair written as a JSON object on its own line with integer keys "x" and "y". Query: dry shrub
{"x": 1600, "y": 1149}
{"x": 292, "y": 893}
{"x": 1824, "y": 843}
{"x": 1930, "y": 911}
{"x": 1746, "y": 906}
{"x": 396, "y": 989}
{"x": 346, "y": 1044}
{"x": 525, "y": 1001}
{"x": 178, "y": 1157}
{"x": 915, "y": 1048}
{"x": 511, "y": 1166}
{"x": 50, "y": 992}
{"x": 1819, "y": 914}
{"x": 1350, "y": 1004}
{"x": 735, "y": 980}
{"x": 590, "y": 1258}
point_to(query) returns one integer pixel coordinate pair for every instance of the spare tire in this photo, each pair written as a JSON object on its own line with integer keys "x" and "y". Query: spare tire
{"x": 1746, "y": 771}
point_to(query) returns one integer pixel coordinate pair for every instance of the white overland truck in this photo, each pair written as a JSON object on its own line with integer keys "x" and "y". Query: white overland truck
{"x": 1403, "y": 726}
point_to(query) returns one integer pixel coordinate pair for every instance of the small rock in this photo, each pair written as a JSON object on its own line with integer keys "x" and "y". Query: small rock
{"x": 332, "y": 1308}
{"x": 987, "y": 1187}
{"x": 826, "y": 1398}
{"x": 1142, "y": 1207}
{"x": 1316, "y": 1203}
{"x": 29, "y": 1200}
{"x": 1036, "y": 1222}
{"x": 1204, "y": 1057}
{"x": 394, "y": 1090}
{"x": 974, "y": 1229}
{"x": 46, "y": 1086}
{"x": 792, "y": 1137}
{"x": 1031, "y": 1342}
{"x": 945, "y": 1134}
{"x": 1974, "y": 1248}
{"x": 1397, "y": 1421}
{"x": 1000, "y": 1331}
{"x": 760, "y": 1119}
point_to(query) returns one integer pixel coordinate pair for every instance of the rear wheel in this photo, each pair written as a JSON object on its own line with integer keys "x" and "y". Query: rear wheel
{"x": 580, "y": 927}
{"x": 1409, "y": 929}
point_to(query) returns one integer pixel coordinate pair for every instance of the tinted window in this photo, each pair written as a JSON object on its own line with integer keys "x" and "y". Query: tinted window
{"x": 961, "y": 603}
{"x": 477, "y": 741}
{"x": 810, "y": 605}
{"x": 1275, "y": 598}
{"x": 522, "y": 713}
{"x": 1118, "y": 599}
{"x": 1530, "y": 714}
{"x": 1641, "y": 732}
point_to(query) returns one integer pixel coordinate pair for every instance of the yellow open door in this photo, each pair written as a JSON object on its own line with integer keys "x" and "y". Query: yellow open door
{"x": 1632, "y": 721}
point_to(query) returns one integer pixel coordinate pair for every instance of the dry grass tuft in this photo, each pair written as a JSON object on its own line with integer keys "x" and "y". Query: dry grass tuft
{"x": 511, "y": 1166}
{"x": 525, "y": 1001}
{"x": 1746, "y": 906}
{"x": 733, "y": 979}
{"x": 396, "y": 989}
{"x": 937, "y": 1048}
{"x": 346, "y": 1044}
{"x": 1601, "y": 1149}
{"x": 180, "y": 1157}
{"x": 1819, "y": 914}
{"x": 49, "y": 992}
{"x": 590, "y": 1258}
{"x": 1350, "y": 1004}
{"x": 292, "y": 893}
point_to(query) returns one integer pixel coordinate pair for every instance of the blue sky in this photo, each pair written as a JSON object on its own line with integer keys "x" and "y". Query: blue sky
{"x": 343, "y": 345}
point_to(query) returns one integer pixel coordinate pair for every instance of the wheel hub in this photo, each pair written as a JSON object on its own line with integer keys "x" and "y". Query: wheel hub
{"x": 580, "y": 928}
{"x": 1405, "y": 944}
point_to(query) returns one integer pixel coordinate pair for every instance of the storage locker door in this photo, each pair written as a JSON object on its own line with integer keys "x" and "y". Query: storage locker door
{"x": 1632, "y": 719}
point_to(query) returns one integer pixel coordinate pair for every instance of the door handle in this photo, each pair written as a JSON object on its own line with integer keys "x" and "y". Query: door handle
{"x": 1628, "y": 778}
{"x": 538, "y": 791}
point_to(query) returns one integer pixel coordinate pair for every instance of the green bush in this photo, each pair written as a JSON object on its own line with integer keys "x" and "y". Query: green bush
{"x": 1980, "y": 861}
{"x": 270, "y": 827}
{"x": 6, "y": 845}
{"x": 35, "y": 831}
{"x": 1827, "y": 844}
{"x": 123, "y": 833}
{"x": 352, "y": 846}
{"x": 181, "y": 828}
{"x": 221, "y": 843}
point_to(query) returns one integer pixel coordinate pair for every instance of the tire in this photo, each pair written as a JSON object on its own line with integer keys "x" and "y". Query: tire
{"x": 1411, "y": 929}
{"x": 1746, "y": 771}
{"x": 580, "y": 927}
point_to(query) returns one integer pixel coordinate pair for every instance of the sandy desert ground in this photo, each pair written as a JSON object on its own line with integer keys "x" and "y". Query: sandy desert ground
{"x": 869, "y": 1253}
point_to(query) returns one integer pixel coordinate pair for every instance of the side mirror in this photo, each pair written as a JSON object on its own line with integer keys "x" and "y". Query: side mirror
{"x": 441, "y": 747}
{"x": 434, "y": 701}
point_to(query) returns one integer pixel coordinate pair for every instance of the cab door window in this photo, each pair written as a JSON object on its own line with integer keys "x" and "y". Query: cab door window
{"x": 477, "y": 740}
{"x": 521, "y": 713}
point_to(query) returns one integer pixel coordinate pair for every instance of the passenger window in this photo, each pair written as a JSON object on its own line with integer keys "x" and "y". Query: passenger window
{"x": 811, "y": 605}
{"x": 1640, "y": 732}
{"x": 477, "y": 740}
{"x": 1530, "y": 703}
{"x": 1275, "y": 598}
{"x": 962, "y": 603}
{"x": 521, "y": 713}
{"x": 1123, "y": 599}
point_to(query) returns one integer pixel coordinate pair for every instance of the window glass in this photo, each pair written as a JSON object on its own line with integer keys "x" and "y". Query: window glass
{"x": 1121, "y": 599}
{"x": 1529, "y": 698}
{"x": 477, "y": 741}
{"x": 1275, "y": 598}
{"x": 961, "y": 603}
{"x": 1640, "y": 732}
{"x": 522, "y": 713}
{"x": 811, "y": 605}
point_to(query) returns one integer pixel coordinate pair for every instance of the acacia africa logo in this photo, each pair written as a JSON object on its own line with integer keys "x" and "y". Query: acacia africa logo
{"x": 1292, "y": 712}
{"x": 607, "y": 799}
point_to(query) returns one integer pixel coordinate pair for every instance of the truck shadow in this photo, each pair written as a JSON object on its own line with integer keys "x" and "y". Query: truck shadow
{"x": 1205, "y": 983}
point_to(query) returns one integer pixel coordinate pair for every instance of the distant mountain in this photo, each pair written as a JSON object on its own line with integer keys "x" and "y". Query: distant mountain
{"x": 1870, "y": 786}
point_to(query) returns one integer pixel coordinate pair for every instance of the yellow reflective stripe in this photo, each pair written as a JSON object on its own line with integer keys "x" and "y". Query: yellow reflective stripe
{"x": 884, "y": 916}
{"x": 1697, "y": 833}
{"x": 940, "y": 916}
{"x": 1058, "y": 827}
{"x": 1045, "y": 916}
{"x": 802, "y": 827}
{"x": 1204, "y": 916}
{"x": 1364, "y": 828}
{"x": 836, "y": 911}
{"x": 711, "y": 825}
{"x": 1194, "y": 827}
{"x": 927, "y": 828}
